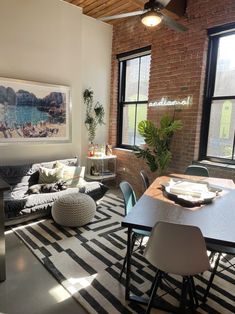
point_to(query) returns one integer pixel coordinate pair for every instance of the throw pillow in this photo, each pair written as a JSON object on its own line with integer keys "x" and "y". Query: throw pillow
{"x": 49, "y": 175}
{"x": 73, "y": 176}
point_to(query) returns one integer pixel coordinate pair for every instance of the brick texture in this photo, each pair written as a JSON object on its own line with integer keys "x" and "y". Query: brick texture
{"x": 178, "y": 65}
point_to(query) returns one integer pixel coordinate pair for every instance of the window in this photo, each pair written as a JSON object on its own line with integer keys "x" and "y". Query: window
{"x": 134, "y": 70}
{"x": 218, "y": 138}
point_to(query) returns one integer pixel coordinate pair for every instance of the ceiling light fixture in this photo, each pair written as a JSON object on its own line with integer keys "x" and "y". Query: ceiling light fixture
{"x": 151, "y": 18}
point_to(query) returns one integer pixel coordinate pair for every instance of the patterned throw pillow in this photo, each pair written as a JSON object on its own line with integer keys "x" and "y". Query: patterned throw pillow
{"x": 50, "y": 175}
{"x": 73, "y": 176}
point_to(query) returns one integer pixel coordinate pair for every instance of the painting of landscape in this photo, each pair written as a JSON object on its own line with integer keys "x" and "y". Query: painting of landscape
{"x": 31, "y": 111}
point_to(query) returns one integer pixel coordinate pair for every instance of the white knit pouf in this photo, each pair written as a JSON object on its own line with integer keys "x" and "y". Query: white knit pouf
{"x": 73, "y": 210}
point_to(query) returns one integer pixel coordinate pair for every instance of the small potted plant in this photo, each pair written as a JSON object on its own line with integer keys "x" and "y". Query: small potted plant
{"x": 94, "y": 114}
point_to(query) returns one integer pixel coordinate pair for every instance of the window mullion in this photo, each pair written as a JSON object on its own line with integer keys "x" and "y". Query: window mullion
{"x": 233, "y": 146}
{"x": 138, "y": 91}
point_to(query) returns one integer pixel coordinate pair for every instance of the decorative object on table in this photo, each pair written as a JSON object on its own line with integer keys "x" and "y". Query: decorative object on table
{"x": 157, "y": 139}
{"x": 73, "y": 210}
{"x": 94, "y": 114}
{"x": 109, "y": 150}
{"x": 34, "y": 112}
{"x": 189, "y": 192}
{"x": 95, "y": 150}
{"x": 90, "y": 150}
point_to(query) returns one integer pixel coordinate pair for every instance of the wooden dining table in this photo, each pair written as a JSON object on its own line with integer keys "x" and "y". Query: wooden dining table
{"x": 215, "y": 219}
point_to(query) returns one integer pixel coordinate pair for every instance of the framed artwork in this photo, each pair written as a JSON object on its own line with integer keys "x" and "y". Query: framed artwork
{"x": 34, "y": 112}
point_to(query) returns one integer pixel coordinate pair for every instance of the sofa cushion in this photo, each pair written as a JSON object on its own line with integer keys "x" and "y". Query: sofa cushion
{"x": 51, "y": 164}
{"x": 73, "y": 176}
{"x": 47, "y": 175}
{"x": 34, "y": 171}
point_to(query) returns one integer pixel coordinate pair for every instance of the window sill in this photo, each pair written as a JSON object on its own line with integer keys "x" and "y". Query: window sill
{"x": 128, "y": 150}
{"x": 214, "y": 164}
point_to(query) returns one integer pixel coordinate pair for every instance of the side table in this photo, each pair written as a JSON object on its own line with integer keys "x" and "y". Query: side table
{"x": 101, "y": 168}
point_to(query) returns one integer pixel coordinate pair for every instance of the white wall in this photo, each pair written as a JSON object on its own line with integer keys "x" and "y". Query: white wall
{"x": 96, "y": 69}
{"x": 43, "y": 41}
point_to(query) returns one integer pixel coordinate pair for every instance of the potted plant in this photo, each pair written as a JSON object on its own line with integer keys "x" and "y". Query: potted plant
{"x": 157, "y": 139}
{"x": 94, "y": 114}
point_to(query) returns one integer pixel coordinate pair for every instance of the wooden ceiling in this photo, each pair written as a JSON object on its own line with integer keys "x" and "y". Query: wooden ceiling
{"x": 101, "y": 8}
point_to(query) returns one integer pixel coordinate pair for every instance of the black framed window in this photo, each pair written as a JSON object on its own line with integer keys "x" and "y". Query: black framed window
{"x": 218, "y": 138}
{"x": 134, "y": 68}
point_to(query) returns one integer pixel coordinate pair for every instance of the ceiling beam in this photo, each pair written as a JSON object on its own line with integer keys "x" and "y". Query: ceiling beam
{"x": 120, "y": 6}
{"x": 177, "y": 6}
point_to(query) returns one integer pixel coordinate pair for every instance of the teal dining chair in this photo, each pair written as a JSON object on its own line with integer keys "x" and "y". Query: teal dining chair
{"x": 129, "y": 201}
{"x": 196, "y": 170}
{"x": 145, "y": 179}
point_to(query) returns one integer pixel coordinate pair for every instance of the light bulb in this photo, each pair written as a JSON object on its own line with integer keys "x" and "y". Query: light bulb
{"x": 151, "y": 19}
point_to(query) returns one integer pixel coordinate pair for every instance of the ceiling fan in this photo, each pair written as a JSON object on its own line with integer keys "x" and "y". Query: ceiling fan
{"x": 151, "y": 15}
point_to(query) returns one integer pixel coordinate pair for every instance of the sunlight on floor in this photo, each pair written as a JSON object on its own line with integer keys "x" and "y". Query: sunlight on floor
{"x": 213, "y": 260}
{"x": 28, "y": 225}
{"x": 8, "y": 232}
{"x": 80, "y": 282}
{"x": 59, "y": 293}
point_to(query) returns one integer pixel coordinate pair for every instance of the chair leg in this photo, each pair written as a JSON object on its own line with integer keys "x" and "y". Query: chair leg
{"x": 124, "y": 262}
{"x": 192, "y": 284}
{"x": 212, "y": 277}
{"x": 141, "y": 242}
{"x": 154, "y": 287}
{"x": 191, "y": 295}
{"x": 184, "y": 294}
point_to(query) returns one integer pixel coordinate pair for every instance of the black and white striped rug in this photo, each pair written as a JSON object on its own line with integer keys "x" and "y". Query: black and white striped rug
{"x": 87, "y": 262}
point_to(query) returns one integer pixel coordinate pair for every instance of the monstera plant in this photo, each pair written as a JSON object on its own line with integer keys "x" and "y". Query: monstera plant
{"x": 157, "y": 139}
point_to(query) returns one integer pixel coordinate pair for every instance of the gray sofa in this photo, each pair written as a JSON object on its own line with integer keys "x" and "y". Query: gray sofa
{"x": 19, "y": 206}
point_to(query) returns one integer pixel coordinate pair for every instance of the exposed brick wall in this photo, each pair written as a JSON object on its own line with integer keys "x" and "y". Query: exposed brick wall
{"x": 177, "y": 70}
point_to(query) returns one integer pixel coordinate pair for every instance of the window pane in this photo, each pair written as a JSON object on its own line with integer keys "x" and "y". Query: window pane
{"x": 225, "y": 71}
{"x": 141, "y": 115}
{"x": 132, "y": 76}
{"x": 144, "y": 77}
{"x": 128, "y": 125}
{"x": 221, "y": 129}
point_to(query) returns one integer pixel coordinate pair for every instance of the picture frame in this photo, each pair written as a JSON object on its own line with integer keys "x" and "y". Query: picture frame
{"x": 34, "y": 112}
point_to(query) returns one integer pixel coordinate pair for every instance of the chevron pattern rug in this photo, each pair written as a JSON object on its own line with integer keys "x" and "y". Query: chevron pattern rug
{"x": 87, "y": 262}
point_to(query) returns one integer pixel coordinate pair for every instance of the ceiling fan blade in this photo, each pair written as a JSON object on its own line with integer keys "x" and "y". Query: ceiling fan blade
{"x": 120, "y": 16}
{"x": 173, "y": 24}
{"x": 164, "y": 3}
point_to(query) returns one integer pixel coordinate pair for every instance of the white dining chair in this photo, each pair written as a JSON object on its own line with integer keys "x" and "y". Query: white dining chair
{"x": 180, "y": 250}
